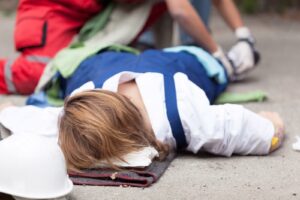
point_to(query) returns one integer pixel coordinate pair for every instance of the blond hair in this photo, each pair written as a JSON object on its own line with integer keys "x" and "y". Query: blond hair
{"x": 102, "y": 125}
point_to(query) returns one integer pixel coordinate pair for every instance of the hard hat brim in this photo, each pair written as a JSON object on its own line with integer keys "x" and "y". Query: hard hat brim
{"x": 62, "y": 193}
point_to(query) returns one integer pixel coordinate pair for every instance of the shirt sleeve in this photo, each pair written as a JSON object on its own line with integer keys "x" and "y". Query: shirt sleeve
{"x": 236, "y": 130}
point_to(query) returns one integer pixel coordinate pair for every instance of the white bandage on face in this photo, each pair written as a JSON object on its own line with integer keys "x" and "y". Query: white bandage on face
{"x": 141, "y": 158}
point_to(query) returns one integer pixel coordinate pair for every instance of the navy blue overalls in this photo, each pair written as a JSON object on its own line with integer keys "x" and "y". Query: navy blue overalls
{"x": 102, "y": 66}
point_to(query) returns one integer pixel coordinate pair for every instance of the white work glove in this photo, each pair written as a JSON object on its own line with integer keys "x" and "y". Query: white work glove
{"x": 223, "y": 59}
{"x": 243, "y": 55}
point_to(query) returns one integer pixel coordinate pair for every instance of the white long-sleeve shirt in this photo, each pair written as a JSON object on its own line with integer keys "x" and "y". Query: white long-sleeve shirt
{"x": 218, "y": 129}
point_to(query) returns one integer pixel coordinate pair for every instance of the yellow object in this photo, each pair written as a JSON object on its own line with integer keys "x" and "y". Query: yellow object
{"x": 275, "y": 141}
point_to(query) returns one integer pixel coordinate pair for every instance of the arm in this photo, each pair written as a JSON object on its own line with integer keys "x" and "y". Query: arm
{"x": 243, "y": 54}
{"x": 240, "y": 131}
{"x": 229, "y": 12}
{"x": 183, "y": 12}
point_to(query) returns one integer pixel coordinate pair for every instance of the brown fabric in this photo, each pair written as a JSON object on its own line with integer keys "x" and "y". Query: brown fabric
{"x": 127, "y": 177}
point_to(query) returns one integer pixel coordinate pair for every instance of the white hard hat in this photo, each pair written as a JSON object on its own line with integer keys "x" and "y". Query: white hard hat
{"x": 33, "y": 166}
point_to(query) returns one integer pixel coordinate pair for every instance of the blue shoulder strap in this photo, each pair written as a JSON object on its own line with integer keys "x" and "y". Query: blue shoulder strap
{"x": 172, "y": 112}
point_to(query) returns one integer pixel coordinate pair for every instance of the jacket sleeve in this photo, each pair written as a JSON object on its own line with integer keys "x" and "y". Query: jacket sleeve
{"x": 236, "y": 130}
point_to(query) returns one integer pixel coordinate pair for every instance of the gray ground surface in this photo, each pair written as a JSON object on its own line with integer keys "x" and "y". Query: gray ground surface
{"x": 198, "y": 177}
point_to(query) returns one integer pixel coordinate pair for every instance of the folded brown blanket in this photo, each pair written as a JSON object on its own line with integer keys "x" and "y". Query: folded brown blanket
{"x": 126, "y": 177}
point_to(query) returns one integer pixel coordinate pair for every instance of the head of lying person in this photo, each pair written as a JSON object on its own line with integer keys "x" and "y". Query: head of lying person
{"x": 99, "y": 125}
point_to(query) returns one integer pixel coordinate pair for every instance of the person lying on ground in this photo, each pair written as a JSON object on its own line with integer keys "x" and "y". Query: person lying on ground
{"x": 159, "y": 99}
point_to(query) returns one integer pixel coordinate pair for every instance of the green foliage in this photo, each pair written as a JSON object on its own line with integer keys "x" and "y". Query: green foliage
{"x": 249, "y": 6}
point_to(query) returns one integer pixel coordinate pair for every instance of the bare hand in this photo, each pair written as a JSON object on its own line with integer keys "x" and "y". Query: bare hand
{"x": 274, "y": 118}
{"x": 279, "y": 128}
